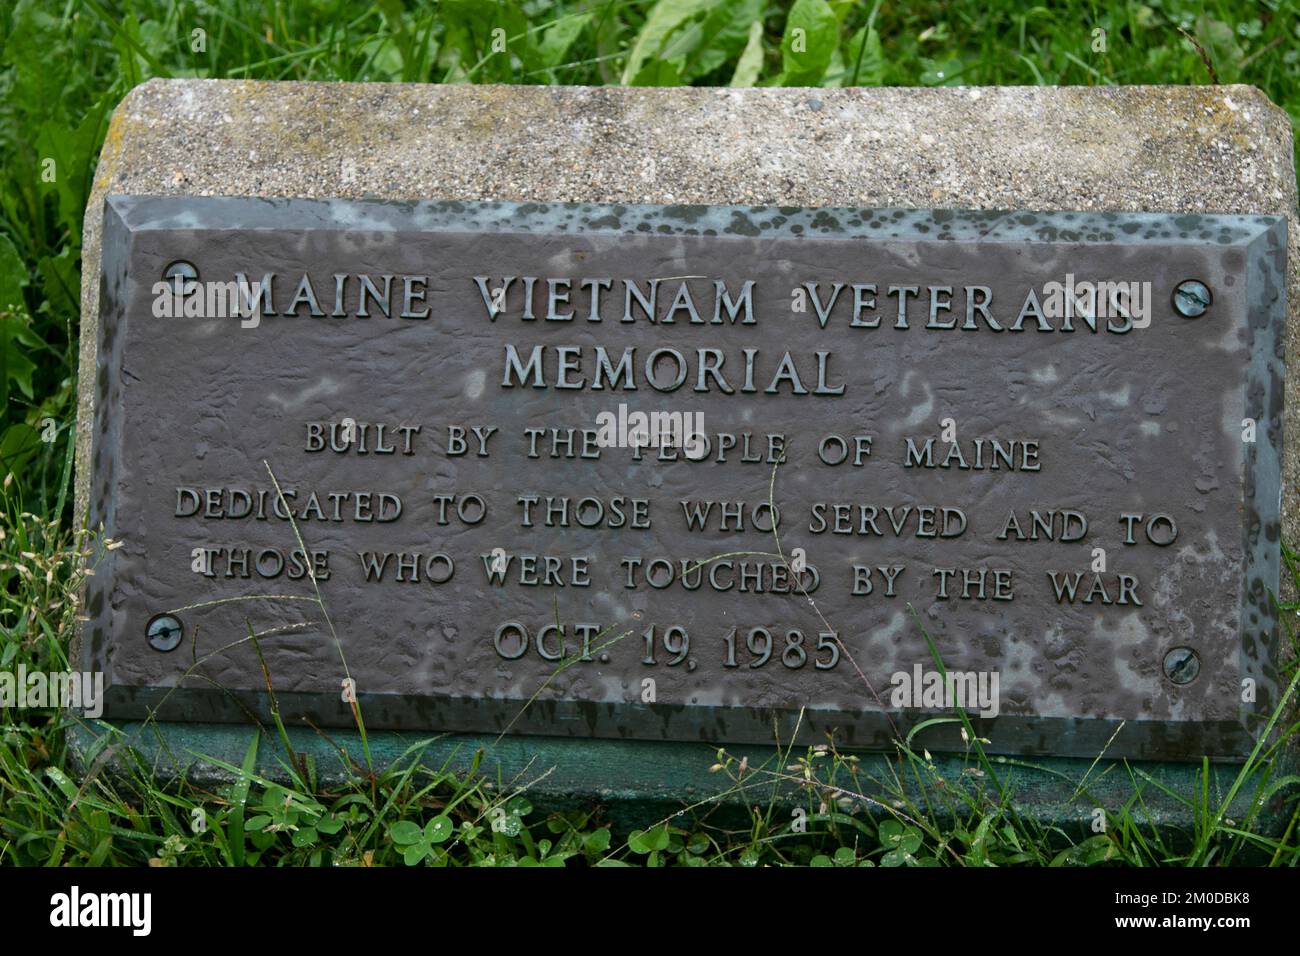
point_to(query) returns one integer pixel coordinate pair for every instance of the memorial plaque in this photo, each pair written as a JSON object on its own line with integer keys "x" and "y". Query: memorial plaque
{"x": 691, "y": 473}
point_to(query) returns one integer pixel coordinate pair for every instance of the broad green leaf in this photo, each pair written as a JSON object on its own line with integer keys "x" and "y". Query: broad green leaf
{"x": 383, "y": 59}
{"x": 597, "y": 841}
{"x": 439, "y": 829}
{"x": 559, "y": 36}
{"x": 680, "y": 47}
{"x": 724, "y": 32}
{"x": 864, "y": 62}
{"x": 37, "y": 80}
{"x": 658, "y": 73}
{"x": 61, "y": 283}
{"x": 648, "y": 841}
{"x": 13, "y": 276}
{"x": 665, "y": 17}
{"x": 330, "y": 825}
{"x": 811, "y": 35}
{"x": 405, "y": 832}
{"x": 508, "y": 824}
{"x": 413, "y": 854}
{"x": 15, "y": 366}
{"x": 67, "y": 161}
{"x": 1220, "y": 42}
{"x": 1095, "y": 849}
{"x": 750, "y": 64}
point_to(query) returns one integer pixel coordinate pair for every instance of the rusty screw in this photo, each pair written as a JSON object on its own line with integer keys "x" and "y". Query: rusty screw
{"x": 164, "y": 632}
{"x": 1192, "y": 299}
{"x": 1182, "y": 664}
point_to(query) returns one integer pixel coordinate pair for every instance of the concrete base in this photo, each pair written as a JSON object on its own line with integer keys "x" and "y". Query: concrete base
{"x": 640, "y": 783}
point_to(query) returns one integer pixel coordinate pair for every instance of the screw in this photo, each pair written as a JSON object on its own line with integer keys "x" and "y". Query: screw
{"x": 1182, "y": 664}
{"x": 181, "y": 273}
{"x": 164, "y": 632}
{"x": 1192, "y": 299}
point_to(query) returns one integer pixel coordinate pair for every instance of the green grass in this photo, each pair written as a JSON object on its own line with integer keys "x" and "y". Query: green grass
{"x": 64, "y": 66}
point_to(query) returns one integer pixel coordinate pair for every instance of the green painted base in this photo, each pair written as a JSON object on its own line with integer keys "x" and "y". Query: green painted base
{"x": 641, "y": 782}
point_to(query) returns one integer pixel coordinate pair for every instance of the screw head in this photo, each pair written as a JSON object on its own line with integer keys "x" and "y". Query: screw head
{"x": 181, "y": 272}
{"x": 1182, "y": 664}
{"x": 1192, "y": 298}
{"x": 164, "y": 632}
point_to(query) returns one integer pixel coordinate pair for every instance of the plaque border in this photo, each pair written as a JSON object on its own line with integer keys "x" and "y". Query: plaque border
{"x": 1263, "y": 238}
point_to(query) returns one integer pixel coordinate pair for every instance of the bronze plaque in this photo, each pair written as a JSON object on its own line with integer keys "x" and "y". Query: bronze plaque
{"x": 691, "y": 473}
